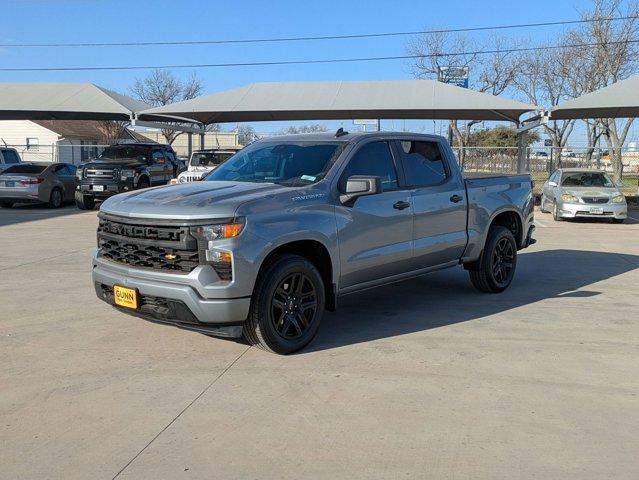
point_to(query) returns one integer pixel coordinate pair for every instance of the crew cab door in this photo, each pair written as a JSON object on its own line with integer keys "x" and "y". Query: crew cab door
{"x": 438, "y": 197}
{"x": 375, "y": 233}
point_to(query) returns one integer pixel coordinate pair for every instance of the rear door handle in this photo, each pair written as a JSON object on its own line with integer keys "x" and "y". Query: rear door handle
{"x": 401, "y": 205}
{"x": 456, "y": 198}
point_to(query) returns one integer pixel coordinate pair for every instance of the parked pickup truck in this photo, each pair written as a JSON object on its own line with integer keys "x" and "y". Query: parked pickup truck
{"x": 203, "y": 162}
{"x": 124, "y": 167}
{"x": 277, "y": 233}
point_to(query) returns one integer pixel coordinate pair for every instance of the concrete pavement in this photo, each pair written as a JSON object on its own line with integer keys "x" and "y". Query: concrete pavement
{"x": 426, "y": 378}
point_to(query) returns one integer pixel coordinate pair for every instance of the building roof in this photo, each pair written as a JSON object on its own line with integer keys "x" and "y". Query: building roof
{"x": 619, "y": 100}
{"x": 396, "y": 99}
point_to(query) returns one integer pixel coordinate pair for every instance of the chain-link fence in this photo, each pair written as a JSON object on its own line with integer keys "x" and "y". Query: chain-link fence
{"x": 542, "y": 161}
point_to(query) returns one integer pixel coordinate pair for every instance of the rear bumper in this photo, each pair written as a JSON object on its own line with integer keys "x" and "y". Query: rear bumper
{"x": 172, "y": 302}
{"x": 22, "y": 195}
{"x": 580, "y": 210}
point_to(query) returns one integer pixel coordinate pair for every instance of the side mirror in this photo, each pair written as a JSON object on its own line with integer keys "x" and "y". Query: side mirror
{"x": 552, "y": 184}
{"x": 360, "y": 186}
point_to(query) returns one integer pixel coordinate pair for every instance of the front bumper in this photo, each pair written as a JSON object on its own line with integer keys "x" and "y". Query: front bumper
{"x": 602, "y": 210}
{"x": 175, "y": 299}
{"x": 108, "y": 188}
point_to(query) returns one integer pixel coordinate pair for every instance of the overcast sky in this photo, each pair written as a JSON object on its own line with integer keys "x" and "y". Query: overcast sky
{"x": 64, "y": 21}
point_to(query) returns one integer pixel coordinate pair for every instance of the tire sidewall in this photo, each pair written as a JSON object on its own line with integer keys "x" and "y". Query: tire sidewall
{"x": 279, "y": 270}
{"x": 56, "y": 194}
{"x": 497, "y": 234}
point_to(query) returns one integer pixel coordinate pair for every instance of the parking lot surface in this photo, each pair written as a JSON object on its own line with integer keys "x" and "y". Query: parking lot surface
{"x": 422, "y": 379}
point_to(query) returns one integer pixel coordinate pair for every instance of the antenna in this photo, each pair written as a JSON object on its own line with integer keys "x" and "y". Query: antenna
{"x": 340, "y": 132}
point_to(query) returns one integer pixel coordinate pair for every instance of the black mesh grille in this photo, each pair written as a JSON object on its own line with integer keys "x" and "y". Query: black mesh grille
{"x": 148, "y": 246}
{"x": 595, "y": 200}
{"x": 223, "y": 270}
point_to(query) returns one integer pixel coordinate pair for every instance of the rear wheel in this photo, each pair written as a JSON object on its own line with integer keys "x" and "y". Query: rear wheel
{"x": 84, "y": 202}
{"x": 495, "y": 270}
{"x": 618, "y": 220}
{"x": 287, "y": 305}
{"x": 6, "y": 204}
{"x": 55, "y": 198}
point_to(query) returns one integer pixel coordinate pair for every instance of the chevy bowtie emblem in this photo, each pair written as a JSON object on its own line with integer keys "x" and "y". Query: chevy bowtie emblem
{"x": 170, "y": 256}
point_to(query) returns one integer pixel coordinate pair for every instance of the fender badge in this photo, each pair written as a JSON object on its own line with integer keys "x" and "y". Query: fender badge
{"x": 170, "y": 256}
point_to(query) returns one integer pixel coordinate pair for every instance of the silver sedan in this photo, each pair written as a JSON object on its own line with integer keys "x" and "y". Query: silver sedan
{"x": 30, "y": 182}
{"x": 574, "y": 193}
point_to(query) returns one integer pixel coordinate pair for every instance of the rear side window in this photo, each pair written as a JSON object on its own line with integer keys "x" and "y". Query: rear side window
{"x": 25, "y": 168}
{"x": 66, "y": 170}
{"x": 423, "y": 163}
{"x": 373, "y": 159}
{"x": 10, "y": 156}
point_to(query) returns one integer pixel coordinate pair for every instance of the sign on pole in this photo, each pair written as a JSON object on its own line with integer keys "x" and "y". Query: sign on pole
{"x": 362, "y": 121}
{"x": 453, "y": 75}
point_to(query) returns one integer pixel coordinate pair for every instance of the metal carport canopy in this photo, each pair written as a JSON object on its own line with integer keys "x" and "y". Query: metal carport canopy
{"x": 394, "y": 99}
{"x": 67, "y": 101}
{"x": 619, "y": 100}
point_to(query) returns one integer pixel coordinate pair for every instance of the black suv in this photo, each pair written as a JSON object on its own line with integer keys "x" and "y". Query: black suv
{"x": 124, "y": 167}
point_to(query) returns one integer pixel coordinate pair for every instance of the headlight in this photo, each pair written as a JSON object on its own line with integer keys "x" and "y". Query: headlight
{"x": 182, "y": 179}
{"x": 618, "y": 199}
{"x": 126, "y": 173}
{"x": 568, "y": 198}
{"x": 217, "y": 232}
{"x": 78, "y": 173}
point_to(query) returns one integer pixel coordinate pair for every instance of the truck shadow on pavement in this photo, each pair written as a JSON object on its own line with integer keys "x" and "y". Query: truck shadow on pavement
{"x": 21, "y": 213}
{"x": 447, "y": 297}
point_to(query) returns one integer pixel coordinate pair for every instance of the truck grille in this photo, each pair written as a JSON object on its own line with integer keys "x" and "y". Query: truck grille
{"x": 169, "y": 248}
{"x": 594, "y": 200}
{"x": 99, "y": 173}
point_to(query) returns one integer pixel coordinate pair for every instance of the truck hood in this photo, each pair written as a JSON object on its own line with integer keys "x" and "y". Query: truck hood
{"x": 189, "y": 201}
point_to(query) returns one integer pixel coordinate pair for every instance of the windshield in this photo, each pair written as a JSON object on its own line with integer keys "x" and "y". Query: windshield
{"x": 587, "y": 179}
{"x": 126, "y": 152}
{"x": 209, "y": 159}
{"x": 292, "y": 164}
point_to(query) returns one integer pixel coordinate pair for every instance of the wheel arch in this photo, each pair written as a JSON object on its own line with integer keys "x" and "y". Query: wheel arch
{"x": 510, "y": 218}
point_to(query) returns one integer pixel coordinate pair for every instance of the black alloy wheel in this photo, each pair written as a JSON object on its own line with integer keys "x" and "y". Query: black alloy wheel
{"x": 55, "y": 198}
{"x": 502, "y": 261}
{"x": 293, "y": 306}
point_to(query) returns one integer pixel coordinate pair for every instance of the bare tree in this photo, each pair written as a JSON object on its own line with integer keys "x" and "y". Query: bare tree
{"x": 614, "y": 58}
{"x": 161, "y": 87}
{"x": 490, "y": 73}
{"x": 112, "y": 130}
{"x": 311, "y": 128}
{"x": 246, "y": 134}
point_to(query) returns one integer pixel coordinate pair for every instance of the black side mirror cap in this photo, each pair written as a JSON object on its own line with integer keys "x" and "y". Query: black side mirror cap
{"x": 360, "y": 186}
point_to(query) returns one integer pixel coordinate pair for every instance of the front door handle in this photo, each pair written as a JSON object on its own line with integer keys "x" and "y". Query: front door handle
{"x": 456, "y": 198}
{"x": 401, "y": 205}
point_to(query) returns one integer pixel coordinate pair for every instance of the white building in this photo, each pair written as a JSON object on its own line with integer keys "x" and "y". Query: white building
{"x": 71, "y": 141}
{"x": 181, "y": 143}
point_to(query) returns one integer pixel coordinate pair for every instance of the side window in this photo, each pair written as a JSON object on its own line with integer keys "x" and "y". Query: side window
{"x": 158, "y": 156}
{"x": 66, "y": 170}
{"x": 10, "y": 156}
{"x": 423, "y": 163}
{"x": 373, "y": 159}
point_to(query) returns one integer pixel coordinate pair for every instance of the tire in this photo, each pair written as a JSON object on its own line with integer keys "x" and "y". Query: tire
{"x": 277, "y": 320}
{"x": 542, "y": 204}
{"x": 55, "y": 198}
{"x": 500, "y": 249}
{"x": 7, "y": 204}
{"x": 143, "y": 183}
{"x": 555, "y": 212}
{"x": 618, "y": 220}
{"x": 84, "y": 202}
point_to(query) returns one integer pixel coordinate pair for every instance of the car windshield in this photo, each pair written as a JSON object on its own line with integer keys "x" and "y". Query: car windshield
{"x": 587, "y": 179}
{"x": 292, "y": 164}
{"x": 25, "y": 168}
{"x": 126, "y": 152}
{"x": 209, "y": 159}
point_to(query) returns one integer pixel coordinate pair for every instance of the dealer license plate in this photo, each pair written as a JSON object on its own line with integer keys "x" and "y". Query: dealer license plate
{"x": 98, "y": 188}
{"x": 125, "y": 297}
{"x": 596, "y": 210}
{"x": 10, "y": 184}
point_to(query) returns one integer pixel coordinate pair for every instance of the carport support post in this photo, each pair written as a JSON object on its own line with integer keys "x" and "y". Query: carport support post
{"x": 189, "y": 137}
{"x": 521, "y": 151}
{"x": 201, "y": 141}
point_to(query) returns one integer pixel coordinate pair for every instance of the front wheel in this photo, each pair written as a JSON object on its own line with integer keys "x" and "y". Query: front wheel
{"x": 542, "y": 204}
{"x": 618, "y": 220}
{"x": 495, "y": 270}
{"x": 84, "y": 202}
{"x": 287, "y": 305}
{"x": 6, "y": 204}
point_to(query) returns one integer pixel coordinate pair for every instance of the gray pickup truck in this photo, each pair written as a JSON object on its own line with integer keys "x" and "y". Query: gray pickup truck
{"x": 278, "y": 232}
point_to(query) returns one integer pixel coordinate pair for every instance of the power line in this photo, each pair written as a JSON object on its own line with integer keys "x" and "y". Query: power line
{"x": 316, "y": 38}
{"x": 309, "y": 62}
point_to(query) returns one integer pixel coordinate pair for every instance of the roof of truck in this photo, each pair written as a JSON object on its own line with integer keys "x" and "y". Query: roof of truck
{"x": 348, "y": 136}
